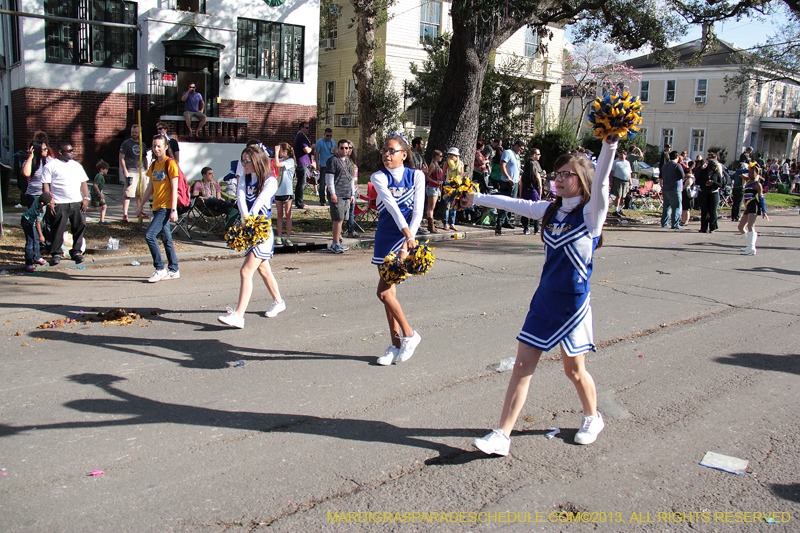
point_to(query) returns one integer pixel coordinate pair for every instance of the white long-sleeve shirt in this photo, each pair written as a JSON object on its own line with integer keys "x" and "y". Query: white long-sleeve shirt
{"x": 594, "y": 213}
{"x": 264, "y": 198}
{"x": 381, "y": 183}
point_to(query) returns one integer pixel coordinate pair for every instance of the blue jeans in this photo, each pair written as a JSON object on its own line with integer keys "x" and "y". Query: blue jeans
{"x": 449, "y": 217}
{"x": 31, "y": 242}
{"x": 672, "y": 202}
{"x": 160, "y": 224}
{"x": 504, "y": 188}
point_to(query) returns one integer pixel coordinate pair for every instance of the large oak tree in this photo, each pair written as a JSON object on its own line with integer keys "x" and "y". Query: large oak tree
{"x": 480, "y": 26}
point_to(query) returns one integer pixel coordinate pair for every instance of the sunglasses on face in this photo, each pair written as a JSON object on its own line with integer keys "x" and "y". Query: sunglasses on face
{"x": 66, "y": 151}
{"x": 246, "y": 161}
{"x": 391, "y": 151}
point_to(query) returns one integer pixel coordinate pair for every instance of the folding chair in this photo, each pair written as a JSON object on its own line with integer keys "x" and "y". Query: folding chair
{"x": 205, "y": 216}
{"x": 367, "y": 218}
{"x": 644, "y": 195}
{"x": 186, "y": 218}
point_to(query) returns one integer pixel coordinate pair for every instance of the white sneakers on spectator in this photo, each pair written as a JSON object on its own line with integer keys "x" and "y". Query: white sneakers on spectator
{"x": 232, "y": 319}
{"x": 591, "y": 426}
{"x": 389, "y": 355}
{"x": 407, "y": 347}
{"x": 495, "y": 443}
{"x": 158, "y": 275}
{"x": 174, "y": 275}
{"x": 275, "y": 308}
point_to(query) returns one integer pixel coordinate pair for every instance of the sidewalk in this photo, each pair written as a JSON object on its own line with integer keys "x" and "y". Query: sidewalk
{"x": 214, "y": 247}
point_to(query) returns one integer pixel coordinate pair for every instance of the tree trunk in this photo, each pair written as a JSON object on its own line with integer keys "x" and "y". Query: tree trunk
{"x": 366, "y": 17}
{"x": 455, "y": 118}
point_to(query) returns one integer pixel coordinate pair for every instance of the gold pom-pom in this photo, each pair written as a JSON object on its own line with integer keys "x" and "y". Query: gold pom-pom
{"x": 418, "y": 262}
{"x": 454, "y": 189}
{"x": 617, "y": 114}
{"x": 248, "y": 233}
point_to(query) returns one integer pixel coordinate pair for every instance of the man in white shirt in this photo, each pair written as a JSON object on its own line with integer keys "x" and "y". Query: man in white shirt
{"x": 620, "y": 181}
{"x": 65, "y": 179}
{"x": 509, "y": 180}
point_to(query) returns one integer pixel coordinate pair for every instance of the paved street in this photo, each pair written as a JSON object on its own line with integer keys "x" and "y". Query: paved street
{"x": 289, "y": 422}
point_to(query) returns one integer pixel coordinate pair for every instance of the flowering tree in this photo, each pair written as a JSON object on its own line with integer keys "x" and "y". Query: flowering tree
{"x": 590, "y": 70}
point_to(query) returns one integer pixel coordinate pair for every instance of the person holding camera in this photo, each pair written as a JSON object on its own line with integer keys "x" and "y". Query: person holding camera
{"x": 193, "y": 107}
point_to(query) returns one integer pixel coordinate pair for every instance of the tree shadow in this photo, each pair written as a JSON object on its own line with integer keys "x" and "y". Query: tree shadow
{"x": 140, "y": 410}
{"x": 761, "y": 361}
{"x": 770, "y": 270}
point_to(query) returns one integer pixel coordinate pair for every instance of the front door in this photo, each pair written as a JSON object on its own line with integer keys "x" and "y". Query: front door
{"x": 203, "y": 72}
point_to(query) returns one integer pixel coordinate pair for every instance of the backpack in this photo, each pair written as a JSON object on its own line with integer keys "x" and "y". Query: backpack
{"x": 184, "y": 194}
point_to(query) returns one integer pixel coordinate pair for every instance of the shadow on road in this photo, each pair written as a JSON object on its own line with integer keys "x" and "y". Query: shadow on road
{"x": 763, "y": 361}
{"x": 146, "y": 411}
{"x": 787, "y": 492}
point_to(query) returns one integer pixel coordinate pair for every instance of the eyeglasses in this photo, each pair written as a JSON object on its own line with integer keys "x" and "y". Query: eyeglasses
{"x": 345, "y": 147}
{"x": 66, "y": 151}
{"x": 161, "y": 129}
{"x": 564, "y": 174}
{"x": 246, "y": 161}
{"x": 328, "y": 136}
{"x": 191, "y": 86}
{"x": 537, "y": 153}
{"x": 391, "y": 151}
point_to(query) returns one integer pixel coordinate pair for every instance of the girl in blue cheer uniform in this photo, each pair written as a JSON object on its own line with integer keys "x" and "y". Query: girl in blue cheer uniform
{"x": 561, "y": 311}
{"x": 401, "y": 202}
{"x": 255, "y": 193}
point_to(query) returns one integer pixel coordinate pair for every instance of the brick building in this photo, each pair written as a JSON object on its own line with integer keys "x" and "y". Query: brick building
{"x": 254, "y": 62}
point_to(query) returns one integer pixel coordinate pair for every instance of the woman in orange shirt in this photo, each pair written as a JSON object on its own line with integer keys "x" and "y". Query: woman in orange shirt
{"x": 163, "y": 174}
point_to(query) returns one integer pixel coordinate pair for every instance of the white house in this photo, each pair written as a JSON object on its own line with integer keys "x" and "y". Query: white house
{"x": 254, "y": 62}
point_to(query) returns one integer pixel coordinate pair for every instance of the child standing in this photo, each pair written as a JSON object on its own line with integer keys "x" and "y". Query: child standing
{"x": 32, "y": 227}
{"x": 98, "y": 202}
{"x": 401, "y": 201}
{"x": 163, "y": 186}
{"x": 561, "y": 311}
{"x": 285, "y": 193}
{"x": 256, "y": 192}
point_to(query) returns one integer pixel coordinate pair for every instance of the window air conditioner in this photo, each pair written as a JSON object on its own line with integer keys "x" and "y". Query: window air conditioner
{"x": 699, "y": 99}
{"x": 346, "y": 121}
{"x": 327, "y": 44}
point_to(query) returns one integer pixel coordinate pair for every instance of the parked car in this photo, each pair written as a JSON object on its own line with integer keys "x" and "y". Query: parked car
{"x": 648, "y": 173}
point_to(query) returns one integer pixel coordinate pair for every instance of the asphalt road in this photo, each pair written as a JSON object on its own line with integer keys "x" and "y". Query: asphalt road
{"x": 278, "y": 426}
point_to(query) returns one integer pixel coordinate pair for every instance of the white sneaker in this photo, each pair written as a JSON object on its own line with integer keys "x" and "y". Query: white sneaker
{"x": 174, "y": 275}
{"x": 407, "y": 347}
{"x": 591, "y": 426}
{"x": 275, "y": 308}
{"x": 389, "y": 356}
{"x": 232, "y": 319}
{"x": 495, "y": 443}
{"x": 158, "y": 275}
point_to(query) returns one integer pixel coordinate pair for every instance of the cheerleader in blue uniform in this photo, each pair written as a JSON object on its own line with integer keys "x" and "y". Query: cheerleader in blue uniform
{"x": 754, "y": 205}
{"x": 561, "y": 311}
{"x": 255, "y": 192}
{"x": 401, "y": 202}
